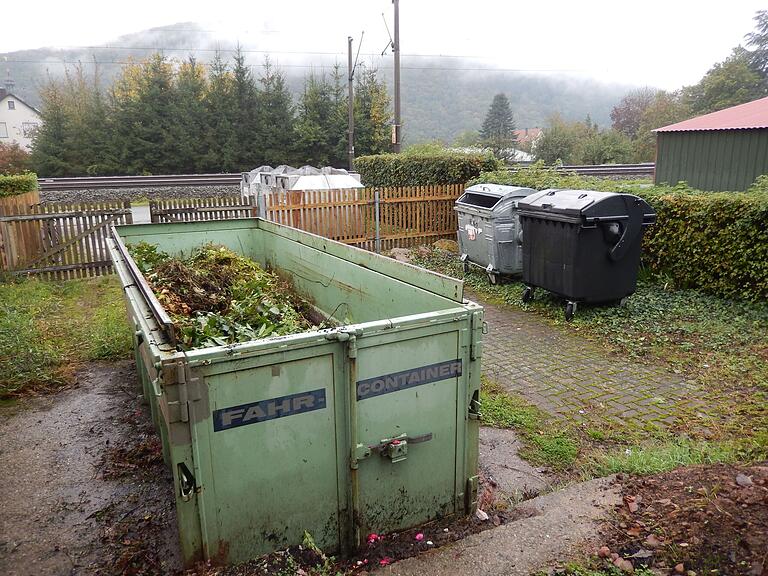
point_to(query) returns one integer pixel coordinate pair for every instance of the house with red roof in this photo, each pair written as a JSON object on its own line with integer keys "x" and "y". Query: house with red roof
{"x": 724, "y": 150}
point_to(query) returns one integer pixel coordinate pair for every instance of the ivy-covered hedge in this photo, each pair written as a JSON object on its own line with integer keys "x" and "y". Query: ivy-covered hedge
{"x": 423, "y": 169}
{"x": 11, "y": 185}
{"x": 715, "y": 241}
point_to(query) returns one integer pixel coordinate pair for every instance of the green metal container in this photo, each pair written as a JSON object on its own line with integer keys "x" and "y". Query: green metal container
{"x": 371, "y": 426}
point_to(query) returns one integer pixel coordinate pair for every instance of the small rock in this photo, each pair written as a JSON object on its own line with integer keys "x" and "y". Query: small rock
{"x": 652, "y": 541}
{"x": 743, "y": 480}
{"x": 604, "y": 552}
{"x": 614, "y": 556}
{"x": 445, "y": 530}
{"x": 480, "y": 515}
{"x": 496, "y": 520}
{"x": 680, "y": 568}
{"x": 430, "y": 543}
{"x": 691, "y": 573}
{"x": 624, "y": 565}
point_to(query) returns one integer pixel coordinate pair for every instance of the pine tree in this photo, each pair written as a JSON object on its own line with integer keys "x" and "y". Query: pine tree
{"x": 320, "y": 131}
{"x": 372, "y": 114}
{"x": 498, "y": 131}
{"x": 221, "y": 153}
{"x": 190, "y": 118}
{"x": 248, "y": 150}
{"x": 275, "y": 129}
{"x": 48, "y": 144}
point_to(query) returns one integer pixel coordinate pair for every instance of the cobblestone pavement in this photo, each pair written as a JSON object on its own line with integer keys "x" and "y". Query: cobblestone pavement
{"x": 567, "y": 375}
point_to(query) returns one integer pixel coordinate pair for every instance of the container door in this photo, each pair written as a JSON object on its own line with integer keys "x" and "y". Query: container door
{"x": 273, "y": 455}
{"x": 407, "y": 418}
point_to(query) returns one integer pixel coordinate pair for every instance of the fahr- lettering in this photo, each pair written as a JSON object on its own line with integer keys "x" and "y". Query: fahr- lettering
{"x": 269, "y": 409}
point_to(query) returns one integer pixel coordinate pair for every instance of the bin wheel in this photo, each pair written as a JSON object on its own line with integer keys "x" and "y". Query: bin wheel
{"x": 493, "y": 279}
{"x": 466, "y": 267}
{"x": 527, "y": 294}
{"x": 570, "y": 310}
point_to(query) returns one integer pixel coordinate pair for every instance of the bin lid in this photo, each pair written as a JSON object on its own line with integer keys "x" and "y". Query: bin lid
{"x": 587, "y": 204}
{"x": 489, "y": 195}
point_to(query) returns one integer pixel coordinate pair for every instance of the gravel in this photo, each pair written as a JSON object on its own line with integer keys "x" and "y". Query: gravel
{"x": 118, "y": 194}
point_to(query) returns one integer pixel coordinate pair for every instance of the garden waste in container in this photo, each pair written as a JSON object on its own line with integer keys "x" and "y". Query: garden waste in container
{"x": 582, "y": 245}
{"x": 367, "y": 423}
{"x": 489, "y": 229}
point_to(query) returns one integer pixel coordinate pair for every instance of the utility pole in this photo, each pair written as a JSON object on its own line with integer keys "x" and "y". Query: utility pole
{"x": 396, "y": 136}
{"x": 350, "y": 106}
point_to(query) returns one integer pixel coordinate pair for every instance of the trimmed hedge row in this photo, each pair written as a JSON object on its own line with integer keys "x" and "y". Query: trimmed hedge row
{"x": 715, "y": 241}
{"x": 423, "y": 169}
{"x": 12, "y": 185}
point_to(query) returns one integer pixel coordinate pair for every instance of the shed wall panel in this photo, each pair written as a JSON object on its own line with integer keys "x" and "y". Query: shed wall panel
{"x": 712, "y": 160}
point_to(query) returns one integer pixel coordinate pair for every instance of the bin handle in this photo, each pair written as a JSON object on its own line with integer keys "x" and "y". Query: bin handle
{"x": 632, "y": 227}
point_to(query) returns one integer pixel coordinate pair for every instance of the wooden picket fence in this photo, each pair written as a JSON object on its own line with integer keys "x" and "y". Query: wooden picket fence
{"x": 59, "y": 241}
{"x": 407, "y": 216}
{"x": 195, "y": 209}
{"x": 64, "y": 241}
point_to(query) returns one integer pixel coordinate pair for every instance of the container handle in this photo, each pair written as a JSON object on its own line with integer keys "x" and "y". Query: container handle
{"x": 156, "y": 387}
{"x": 632, "y": 228}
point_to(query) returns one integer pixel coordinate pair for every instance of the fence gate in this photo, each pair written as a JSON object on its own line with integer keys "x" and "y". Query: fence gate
{"x": 59, "y": 241}
{"x": 195, "y": 209}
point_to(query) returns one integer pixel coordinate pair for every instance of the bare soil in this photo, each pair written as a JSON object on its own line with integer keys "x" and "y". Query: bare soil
{"x": 707, "y": 519}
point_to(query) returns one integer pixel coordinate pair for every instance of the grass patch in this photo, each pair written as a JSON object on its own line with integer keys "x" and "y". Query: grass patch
{"x": 48, "y": 328}
{"x": 544, "y": 442}
{"x": 662, "y": 457}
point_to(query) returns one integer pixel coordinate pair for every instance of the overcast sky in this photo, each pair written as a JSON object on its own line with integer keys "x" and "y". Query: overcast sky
{"x": 666, "y": 44}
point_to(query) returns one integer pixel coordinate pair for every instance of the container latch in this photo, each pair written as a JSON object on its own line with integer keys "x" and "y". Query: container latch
{"x": 396, "y": 449}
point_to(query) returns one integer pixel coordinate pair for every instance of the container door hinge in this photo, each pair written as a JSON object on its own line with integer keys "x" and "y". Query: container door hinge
{"x": 478, "y": 329}
{"x": 189, "y": 391}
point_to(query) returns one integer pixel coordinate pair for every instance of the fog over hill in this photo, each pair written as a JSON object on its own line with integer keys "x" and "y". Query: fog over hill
{"x": 441, "y": 97}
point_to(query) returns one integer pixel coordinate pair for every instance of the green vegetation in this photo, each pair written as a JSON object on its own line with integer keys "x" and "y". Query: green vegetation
{"x": 417, "y": 169}
{"x": 715, "y": 241}
{"x": 13, "y": 159}
{"x": 12, "y": 185}
{"x": 47, "y": 329}
{"x": 546, "y": 442}
{"x": 216, "y": 297}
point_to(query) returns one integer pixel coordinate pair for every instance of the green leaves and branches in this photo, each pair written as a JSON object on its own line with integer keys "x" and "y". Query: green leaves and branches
{"x": 14, "y": 184}
{"x": 422, "y": 169}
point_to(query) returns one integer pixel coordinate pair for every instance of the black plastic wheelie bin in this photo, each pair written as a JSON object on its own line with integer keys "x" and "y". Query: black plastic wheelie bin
{"x": 582, "y": 245}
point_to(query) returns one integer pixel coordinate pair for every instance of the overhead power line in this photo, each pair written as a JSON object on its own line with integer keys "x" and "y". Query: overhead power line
{"x": 319, "y": 65}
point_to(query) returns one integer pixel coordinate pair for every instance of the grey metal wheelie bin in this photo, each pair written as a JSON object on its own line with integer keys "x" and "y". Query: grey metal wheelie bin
{"x": 582, "y": 245}
{"x": 489, "y": 229}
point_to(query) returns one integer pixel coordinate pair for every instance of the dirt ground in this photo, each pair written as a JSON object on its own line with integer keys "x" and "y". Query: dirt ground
{"x": 85, "y": 488}
{"x": 705, "y": 519}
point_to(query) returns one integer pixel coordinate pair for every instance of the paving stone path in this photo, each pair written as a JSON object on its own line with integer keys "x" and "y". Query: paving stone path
{"x": 568, "y": 376}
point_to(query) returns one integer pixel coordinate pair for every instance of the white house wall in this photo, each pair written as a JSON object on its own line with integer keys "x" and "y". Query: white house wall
{"x": 17, "y": 125}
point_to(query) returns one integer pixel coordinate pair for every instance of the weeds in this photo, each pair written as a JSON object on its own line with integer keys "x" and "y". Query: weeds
{"x": 47, "y": 328}
{"x": 545, "y": 443}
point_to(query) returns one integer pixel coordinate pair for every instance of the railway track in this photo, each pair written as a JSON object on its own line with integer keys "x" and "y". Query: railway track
{"x": 105, "y": 182}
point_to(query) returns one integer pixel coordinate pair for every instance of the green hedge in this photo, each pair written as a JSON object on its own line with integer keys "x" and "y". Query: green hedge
{"x": 17, "y": 184}
{"x": 423, "y": 169}
{"x": 715, "y": 241}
